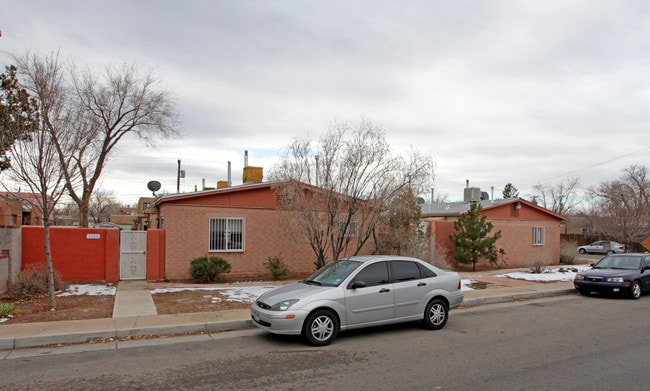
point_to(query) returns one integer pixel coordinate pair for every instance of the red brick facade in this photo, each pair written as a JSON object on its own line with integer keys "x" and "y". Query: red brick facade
{"x": 186, "y": 218}
{"x": 516, "y": 220}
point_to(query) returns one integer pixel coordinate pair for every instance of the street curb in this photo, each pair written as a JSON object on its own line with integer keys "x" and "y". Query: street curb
{"x": 515, "y": 297}
{"x": 84, "y": 337}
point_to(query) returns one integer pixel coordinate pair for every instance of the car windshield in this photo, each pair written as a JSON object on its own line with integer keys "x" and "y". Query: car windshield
{"x": 614, "y": 262}
{"x": 333, "y": 273}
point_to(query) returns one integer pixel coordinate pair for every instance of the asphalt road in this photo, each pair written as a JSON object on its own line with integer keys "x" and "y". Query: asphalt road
{"x": 568, "y": 343}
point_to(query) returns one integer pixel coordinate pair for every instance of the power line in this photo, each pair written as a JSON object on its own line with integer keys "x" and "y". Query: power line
{"x": 596, "y": 164}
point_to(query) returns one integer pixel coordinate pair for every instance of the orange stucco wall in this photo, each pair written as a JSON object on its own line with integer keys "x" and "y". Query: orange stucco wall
{"x": 155, "y": 254}
{"x": 88, "y": 254}
{"x": 79, "y": 254}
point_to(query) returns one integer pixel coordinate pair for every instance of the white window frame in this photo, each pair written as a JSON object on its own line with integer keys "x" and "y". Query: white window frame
{"x": 231, "y": 226}
{"x": 539, "y": 233}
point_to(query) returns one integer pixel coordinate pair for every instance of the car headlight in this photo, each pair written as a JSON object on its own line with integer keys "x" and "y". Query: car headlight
{"x": 579, "y": 277}
{"x": 284, "y": 305}
{"x": 614, "y": 279}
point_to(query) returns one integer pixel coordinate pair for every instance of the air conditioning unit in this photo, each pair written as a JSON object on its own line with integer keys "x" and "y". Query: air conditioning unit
{"x": 472, "y": 194}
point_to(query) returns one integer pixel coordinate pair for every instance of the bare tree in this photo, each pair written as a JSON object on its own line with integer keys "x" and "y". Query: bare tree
{"x": 102, "y": 205}
{"x": 621, "y": 208}
{"x": 560, "y": 198}
{"x": 99, "y": 111}
{"x": 36, "y": 165}
{"x": 402, "y": 233}
{"x": 340, "y": 187}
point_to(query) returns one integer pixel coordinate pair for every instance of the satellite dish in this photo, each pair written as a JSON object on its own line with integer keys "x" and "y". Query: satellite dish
{"x": 154, "y": 186}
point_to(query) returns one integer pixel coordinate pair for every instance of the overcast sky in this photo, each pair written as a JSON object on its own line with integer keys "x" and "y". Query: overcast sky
{"x": 525, "y": 92}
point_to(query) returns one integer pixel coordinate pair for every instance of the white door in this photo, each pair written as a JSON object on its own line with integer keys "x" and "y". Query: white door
{"x": 133, "y": 255}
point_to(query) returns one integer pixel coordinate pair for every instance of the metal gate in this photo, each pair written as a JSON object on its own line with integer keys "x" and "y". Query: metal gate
{"x": 133, "y": 255}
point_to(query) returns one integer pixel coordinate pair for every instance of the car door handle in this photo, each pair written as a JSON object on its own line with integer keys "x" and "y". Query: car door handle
{"x": 384, "y": 290}
{"x": 422, "y": 284}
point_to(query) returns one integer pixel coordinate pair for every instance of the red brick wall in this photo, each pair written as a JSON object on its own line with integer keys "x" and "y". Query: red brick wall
{"x": 516, "y": 236}
{"x": 267, "y": 235}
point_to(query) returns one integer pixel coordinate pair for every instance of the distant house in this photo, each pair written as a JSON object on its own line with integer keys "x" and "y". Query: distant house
{"x": 134, "y": 218}
{"x": 577, "y": 225}
{"x": 529, "y": 232}
{"x": 18, "y": 209}
{"x": 243, "y": 224}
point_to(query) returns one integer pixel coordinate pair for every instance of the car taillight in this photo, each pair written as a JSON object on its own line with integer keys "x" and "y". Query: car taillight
{"x": 459, "y": 284}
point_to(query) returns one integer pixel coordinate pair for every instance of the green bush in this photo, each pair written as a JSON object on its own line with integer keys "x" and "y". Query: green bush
{"x": 208, "y": 269}
{"x": 7, "y": 309}
{"x": 276, "y": 267}
{"x": 32, "y": 282}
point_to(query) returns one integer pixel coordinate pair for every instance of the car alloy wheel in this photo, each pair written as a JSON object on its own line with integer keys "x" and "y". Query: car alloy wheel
{"x": 635, "y": 290}
{"x": 321, "y": 328}
{"x": 435, "y": 314}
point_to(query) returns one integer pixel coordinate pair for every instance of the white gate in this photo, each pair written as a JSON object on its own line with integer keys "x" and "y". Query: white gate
{"x": 133, "y": 255}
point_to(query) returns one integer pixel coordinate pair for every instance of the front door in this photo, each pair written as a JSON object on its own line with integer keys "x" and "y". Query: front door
{"x": 133, "y": 255}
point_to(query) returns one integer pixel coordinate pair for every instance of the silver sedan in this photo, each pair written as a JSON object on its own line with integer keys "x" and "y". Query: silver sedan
{"x": 356, "y": 292}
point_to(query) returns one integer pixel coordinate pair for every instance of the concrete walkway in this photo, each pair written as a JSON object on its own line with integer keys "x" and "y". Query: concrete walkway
{"x": 133, "y": 298}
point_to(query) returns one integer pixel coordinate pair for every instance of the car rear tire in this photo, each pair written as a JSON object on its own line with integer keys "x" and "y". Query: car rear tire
{"x": 635, "y": 290}
{"x": 320, "y": 328}
{"x": 435, "y": 315}
{"x": 582, "y": 251}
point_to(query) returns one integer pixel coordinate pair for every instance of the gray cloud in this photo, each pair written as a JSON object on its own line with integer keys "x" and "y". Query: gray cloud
{"x": 497, "y": 92}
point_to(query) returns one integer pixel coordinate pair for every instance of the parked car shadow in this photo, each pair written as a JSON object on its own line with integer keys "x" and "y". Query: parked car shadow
{"x": 369, "y": 332}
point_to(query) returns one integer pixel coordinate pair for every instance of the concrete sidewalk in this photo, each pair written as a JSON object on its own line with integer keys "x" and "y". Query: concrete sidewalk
{"x": 134, "y": 315}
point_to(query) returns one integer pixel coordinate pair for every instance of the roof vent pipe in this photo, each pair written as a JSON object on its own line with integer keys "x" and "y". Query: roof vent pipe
{"x": 467, "y": 183}
{"x": 245, "y": 158}
{"x": 229, "y": 175}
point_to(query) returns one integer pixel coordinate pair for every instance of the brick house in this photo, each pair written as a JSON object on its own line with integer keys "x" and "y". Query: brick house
{"x": 529, "y": 232}
{"x": 17, "y": 209}
{"x": 243, "y": 224}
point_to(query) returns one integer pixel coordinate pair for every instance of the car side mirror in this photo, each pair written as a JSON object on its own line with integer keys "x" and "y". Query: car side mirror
{"x": 358, "y": 284}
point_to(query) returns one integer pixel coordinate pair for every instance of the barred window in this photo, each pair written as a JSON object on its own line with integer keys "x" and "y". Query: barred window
{"x": 227, "y": 234}
{"x": 538, "y": 236}
{"x": 350, "y": 230}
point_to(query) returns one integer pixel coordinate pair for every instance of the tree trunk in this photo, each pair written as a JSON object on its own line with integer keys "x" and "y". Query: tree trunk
{"x": 50, "y": 267}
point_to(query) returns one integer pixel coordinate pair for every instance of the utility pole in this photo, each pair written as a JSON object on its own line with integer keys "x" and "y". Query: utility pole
{"x": 178, "y": 177}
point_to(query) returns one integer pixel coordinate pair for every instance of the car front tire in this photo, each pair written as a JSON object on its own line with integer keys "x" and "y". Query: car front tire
{"x": 321, "y": 328}
{"x": 582, "y": 251}
{"x": 635, "y": 290}
{"x": 435, "y": 315}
